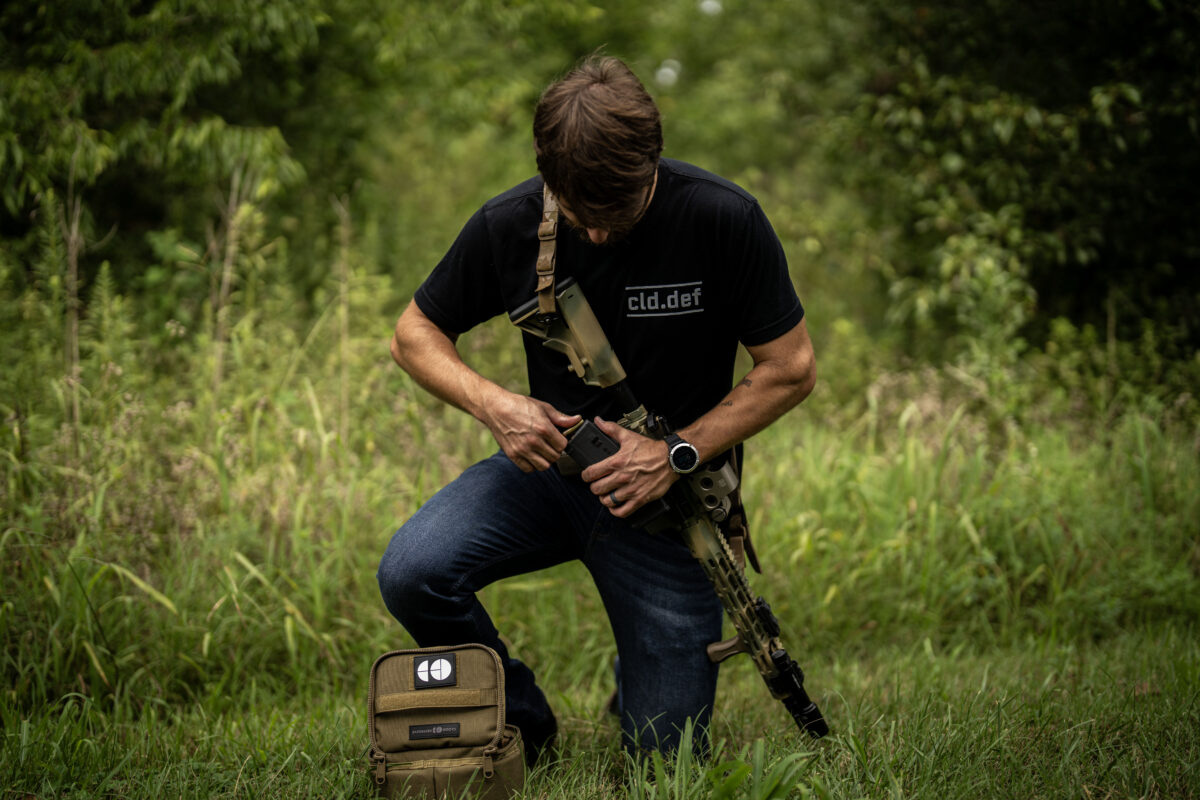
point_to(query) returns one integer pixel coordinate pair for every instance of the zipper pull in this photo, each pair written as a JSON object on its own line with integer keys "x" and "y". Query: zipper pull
{"x": 380, "y": 770}
{"x": 488, "y": 767}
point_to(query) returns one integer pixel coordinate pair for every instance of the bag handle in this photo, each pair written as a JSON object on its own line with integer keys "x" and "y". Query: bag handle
{"x": 445, "y": 698}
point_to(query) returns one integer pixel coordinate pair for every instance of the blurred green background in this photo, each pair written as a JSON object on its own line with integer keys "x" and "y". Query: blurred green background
{"x": 214, "y": 210}
{"x": 955, "y": 183}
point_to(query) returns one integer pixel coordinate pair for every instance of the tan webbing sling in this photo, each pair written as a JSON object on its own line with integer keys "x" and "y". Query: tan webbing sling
{"x": 547, "y": 238}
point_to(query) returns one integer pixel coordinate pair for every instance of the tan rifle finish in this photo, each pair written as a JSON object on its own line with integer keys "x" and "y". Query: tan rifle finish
{"x": 575, "y": 332}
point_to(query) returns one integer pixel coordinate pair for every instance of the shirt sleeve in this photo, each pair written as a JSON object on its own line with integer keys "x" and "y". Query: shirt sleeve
{"x": 766, "y": 305}
{"x": 464, "y": 288}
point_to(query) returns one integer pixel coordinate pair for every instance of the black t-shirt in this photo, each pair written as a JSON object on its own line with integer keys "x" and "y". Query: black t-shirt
{"x": 701, "y": 271}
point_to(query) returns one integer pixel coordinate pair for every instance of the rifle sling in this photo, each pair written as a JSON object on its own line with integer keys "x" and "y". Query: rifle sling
{"x": 547, "y": 239}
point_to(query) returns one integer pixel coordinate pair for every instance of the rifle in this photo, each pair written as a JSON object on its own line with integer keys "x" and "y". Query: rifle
{"x": 693, "y": 505}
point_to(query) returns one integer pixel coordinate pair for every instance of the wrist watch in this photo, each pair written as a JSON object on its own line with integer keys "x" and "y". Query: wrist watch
{"x": 682, "y": 456}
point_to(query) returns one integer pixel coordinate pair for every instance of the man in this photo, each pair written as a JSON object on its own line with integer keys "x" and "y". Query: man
{"x": 679, "y": 266}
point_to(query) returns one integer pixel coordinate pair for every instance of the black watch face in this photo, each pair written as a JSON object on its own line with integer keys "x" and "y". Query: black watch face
{"x": 684, "y": 458}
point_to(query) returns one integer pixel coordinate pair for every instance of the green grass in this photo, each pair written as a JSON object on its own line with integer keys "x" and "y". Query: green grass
{"x": 1114, "y": 719}
{"x": 990, "y": 580}
{"x": 194, "y": 612}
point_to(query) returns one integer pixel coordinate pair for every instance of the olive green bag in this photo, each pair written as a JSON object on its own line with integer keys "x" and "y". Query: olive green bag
{"x": 436, "y": 722}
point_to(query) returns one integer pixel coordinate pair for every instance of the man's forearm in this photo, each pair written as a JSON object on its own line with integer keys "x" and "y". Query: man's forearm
{"x": 526, "y": 429}
{"x": 783, "y": 375}
{"x": 428, "y": 354}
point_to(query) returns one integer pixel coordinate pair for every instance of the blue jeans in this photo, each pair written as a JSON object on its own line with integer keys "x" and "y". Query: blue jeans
{"x": 494, "y": 522}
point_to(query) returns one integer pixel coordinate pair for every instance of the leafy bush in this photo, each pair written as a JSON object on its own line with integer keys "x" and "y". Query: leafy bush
{"x": 1038, "y": 157}
{"x": 134, "y": 115}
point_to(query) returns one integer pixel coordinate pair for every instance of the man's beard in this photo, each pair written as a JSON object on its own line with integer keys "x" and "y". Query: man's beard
{"x": 615, "y": 236}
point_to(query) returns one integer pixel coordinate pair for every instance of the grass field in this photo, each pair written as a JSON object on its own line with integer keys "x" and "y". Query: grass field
{"x": 984, "y": 605}
{"x": 1111, "y": 719}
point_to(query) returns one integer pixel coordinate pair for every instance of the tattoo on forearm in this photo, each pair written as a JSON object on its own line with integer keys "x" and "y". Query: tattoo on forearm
{"x": 744, "y": 382}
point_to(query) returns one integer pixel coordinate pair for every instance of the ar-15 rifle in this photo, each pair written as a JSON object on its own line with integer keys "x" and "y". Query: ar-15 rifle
{"x": 694, "y": 505}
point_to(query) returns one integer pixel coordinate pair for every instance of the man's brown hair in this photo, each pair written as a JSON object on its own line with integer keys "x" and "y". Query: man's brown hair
{"x": 598, "y": 135}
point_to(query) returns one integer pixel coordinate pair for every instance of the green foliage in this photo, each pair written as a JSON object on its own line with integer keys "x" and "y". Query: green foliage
{"x": 142, "y": 111}
{"x": 987, "y": 567}
{"x": 1040, "y": 153}
{"x": 87, "y": 87}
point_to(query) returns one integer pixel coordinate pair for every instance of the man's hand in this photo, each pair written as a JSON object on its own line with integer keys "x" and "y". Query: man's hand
{"x": 527, "y": 430}
{"x": 633, "y": 476}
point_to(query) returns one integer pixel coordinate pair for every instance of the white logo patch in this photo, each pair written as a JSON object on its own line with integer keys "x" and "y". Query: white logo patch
{"x": 437, "y": 670}
{"x": 664, "y": 300}
{"x": 434, "y": 671}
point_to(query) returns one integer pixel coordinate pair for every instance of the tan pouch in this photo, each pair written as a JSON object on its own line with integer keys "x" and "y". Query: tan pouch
{"x": 436, "y": 722}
